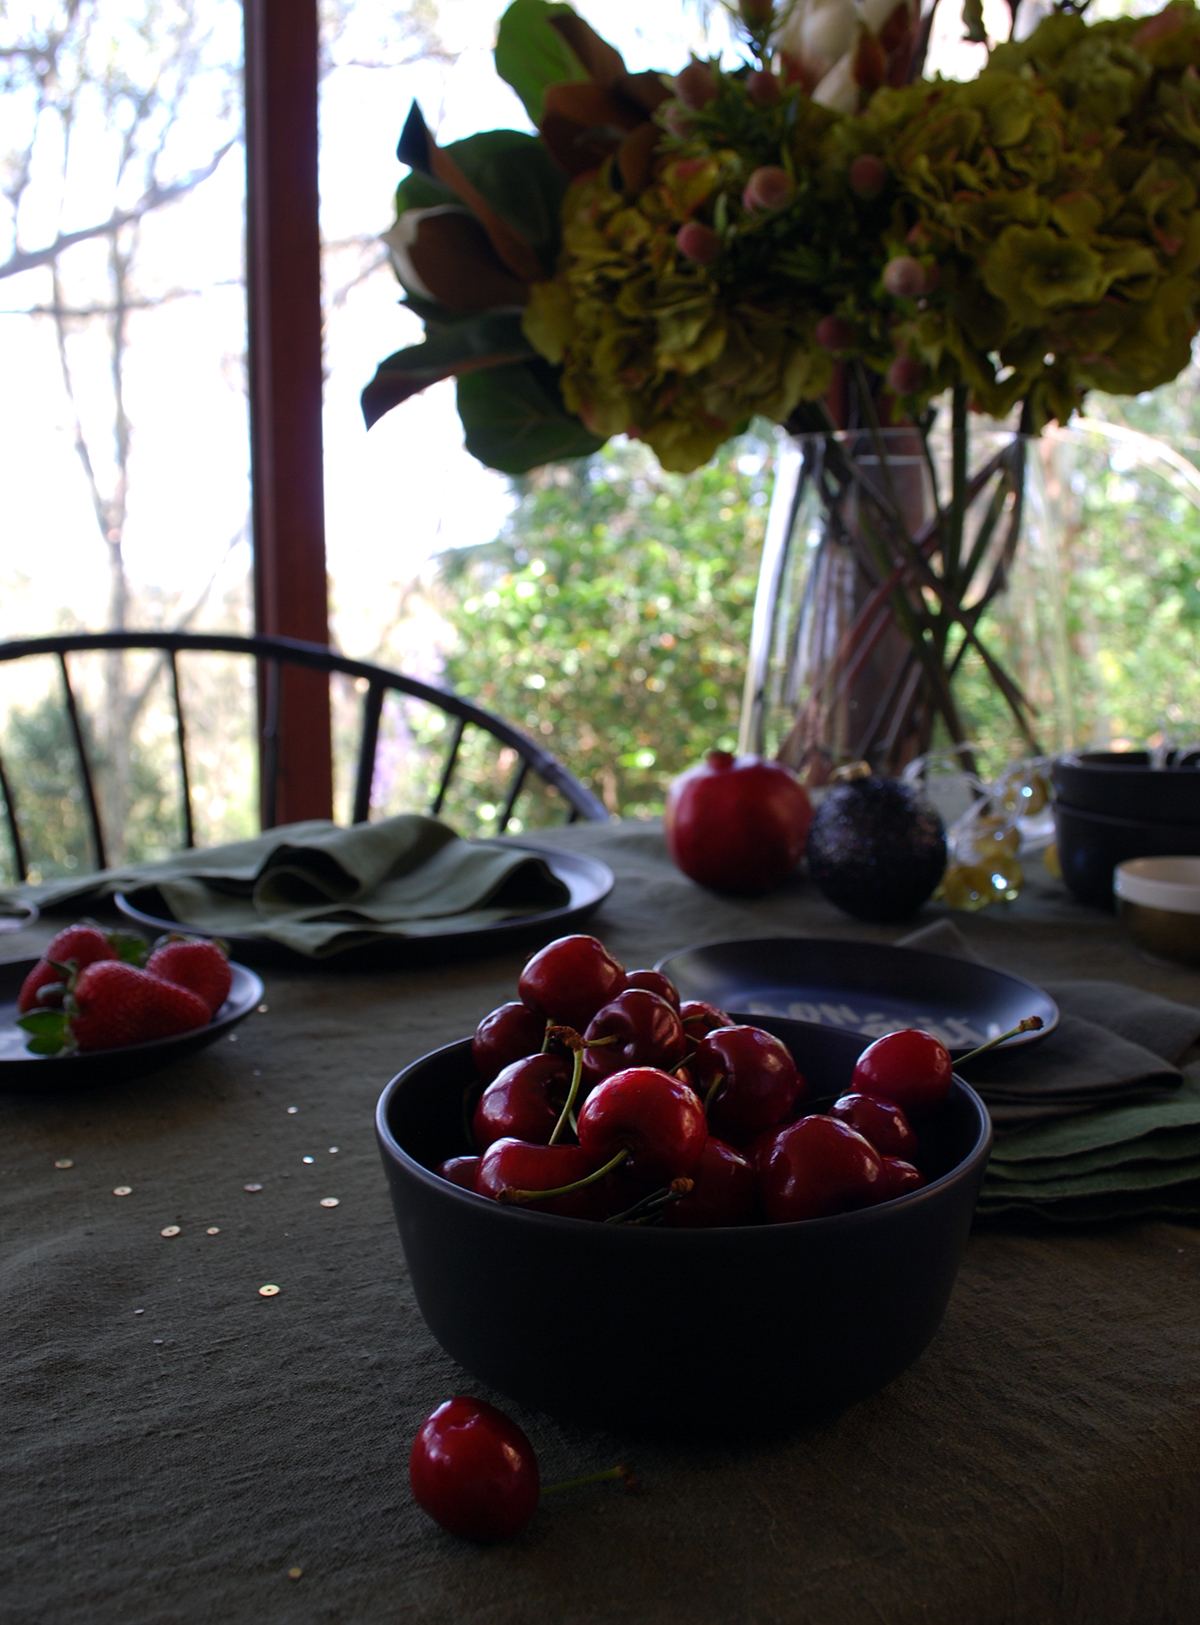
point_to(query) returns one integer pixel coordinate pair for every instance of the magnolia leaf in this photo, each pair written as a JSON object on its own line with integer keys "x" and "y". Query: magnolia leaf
{"x": 583, "y": 124}
{"x": 601, "y": 61}
{"x": 973, "y": 28}
{"x": 506, "y": 177}
{"x": 444, "y": 256}
{"x": 443, "y": 165}
{"x": 489, "y": 340}
{"x": 530, "y": 54}
{"x": 515, "y": 419}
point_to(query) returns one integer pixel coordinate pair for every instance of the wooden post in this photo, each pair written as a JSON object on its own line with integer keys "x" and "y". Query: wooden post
{"x": 283, "y": 293}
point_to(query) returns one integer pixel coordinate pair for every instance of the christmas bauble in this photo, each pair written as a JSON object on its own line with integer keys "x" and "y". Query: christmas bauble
{"x": 876, "y": 848}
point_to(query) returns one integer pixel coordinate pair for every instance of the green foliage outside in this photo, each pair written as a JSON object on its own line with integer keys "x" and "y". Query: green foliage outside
{"x": 612, "y": 617}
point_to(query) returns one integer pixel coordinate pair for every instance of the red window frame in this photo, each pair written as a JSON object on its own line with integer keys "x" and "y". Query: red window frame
{"x": 283, "y": 297}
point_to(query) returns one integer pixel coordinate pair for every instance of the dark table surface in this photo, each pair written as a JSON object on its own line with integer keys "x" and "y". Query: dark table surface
{"x": 175, "y": 1444}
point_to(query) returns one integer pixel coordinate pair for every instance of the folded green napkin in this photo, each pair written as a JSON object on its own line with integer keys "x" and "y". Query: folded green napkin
{"x": 320, "y": 889}
{"x": 1095, "y": 1121}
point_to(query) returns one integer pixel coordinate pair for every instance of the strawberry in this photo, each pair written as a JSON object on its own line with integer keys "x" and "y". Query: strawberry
{"x": 194, "y": 963}
{"x": 85, "y": 944}
{"x": 112, "y": 1004}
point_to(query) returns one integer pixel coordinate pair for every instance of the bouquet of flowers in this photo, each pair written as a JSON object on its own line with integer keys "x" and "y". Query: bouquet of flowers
{"x": 673, "y": 256}
{"x": 820, "y": 237}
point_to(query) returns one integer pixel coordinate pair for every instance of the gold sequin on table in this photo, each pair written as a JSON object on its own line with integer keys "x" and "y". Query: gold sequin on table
{"x": 292, "y": 1110}
{"x": 252, "y": 1188}
{"x": 305, "y": 1159}
{"x": 293, "y": 1574}
{"x": 213, "y": 1230}
{"x": 64, "y": 1162}
{"x": 122, "y": 1190}
{"x": 268, "y": 1291}
{"x": 329, "y": 1201}
{"x": 170, "y": 1230}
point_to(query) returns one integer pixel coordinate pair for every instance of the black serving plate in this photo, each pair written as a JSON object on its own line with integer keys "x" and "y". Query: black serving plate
{"x": 587, "y": 880}
{"x": 25, "y": 1073}
{"x": 864, "y": 987}
{"x": 693, "y": 1334}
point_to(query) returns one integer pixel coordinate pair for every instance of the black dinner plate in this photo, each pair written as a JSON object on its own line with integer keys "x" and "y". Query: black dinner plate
{"x": 20, "y": 1071}
{"x": 864, "y": 987}
{"x": 588, "y": 881}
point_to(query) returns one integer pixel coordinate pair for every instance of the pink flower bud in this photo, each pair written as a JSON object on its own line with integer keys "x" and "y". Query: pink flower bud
{"x": 678, "y": 120}
{"x": 905, "y": 375}
{"x": 904, "y": 277}
{"x": 868, "y": 175}
{"x": 763, "y": 87}
{"x": 834, "y": 333}
{"x": 697, "y": 242}
{"x": 768, "y": 188}
{"x": 696, "y": 85}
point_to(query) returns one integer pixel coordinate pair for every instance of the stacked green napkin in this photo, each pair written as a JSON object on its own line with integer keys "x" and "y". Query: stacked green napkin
{"x": 321, "y": 889}
{"x": 1095, "y": 1121}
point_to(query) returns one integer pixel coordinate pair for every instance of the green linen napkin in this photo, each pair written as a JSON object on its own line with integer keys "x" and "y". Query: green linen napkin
{"x": 1095, "y": 1121}
{"x": 320, "y": 889}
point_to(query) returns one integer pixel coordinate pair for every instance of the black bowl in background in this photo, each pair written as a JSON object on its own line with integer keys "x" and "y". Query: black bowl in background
{"x": 1122, "y": 784}
{"x": 685, "y": 1333}
{"x": 1090, "y": 846}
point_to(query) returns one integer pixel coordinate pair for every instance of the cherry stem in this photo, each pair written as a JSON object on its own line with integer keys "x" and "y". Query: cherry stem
{"x": 609, "y": 1473}
{"x": 508, "y": 1194}
{"x": 651, "y": 1206}
{"x": 712, "y": 1089}
{"x": 1031, "y": 1024}
{"x": 565, "y": 1115}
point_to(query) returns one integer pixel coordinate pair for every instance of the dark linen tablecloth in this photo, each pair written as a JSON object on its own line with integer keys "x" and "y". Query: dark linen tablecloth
{"x": 1040, "y": 1463}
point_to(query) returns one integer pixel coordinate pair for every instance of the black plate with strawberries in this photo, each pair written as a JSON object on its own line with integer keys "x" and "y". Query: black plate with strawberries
{"x": 25, "y": 1073}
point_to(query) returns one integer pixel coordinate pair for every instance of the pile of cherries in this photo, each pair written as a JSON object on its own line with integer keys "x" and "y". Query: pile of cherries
{"x": 605, "y": 1097}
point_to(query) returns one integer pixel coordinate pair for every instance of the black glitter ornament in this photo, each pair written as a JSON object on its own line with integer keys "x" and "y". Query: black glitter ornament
{"x": 876, "y": 848}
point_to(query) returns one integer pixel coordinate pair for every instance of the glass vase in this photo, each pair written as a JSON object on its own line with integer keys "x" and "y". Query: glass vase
{"x": 910, "y": 599}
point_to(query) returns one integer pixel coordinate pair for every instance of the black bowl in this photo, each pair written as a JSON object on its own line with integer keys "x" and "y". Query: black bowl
{"x": 1122, "y": 784}
{"x": 686, "y": 1333}
{"x": 1091, "y": 845}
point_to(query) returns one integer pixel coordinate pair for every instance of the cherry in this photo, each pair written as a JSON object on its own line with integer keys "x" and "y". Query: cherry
{"x": 568, "y": 980}
{"x": 700, "y": 1018}
{"x": 637, "y": 1028}
{"x": 909, "y": 1068}
{"x": 474, "y": 1471}
{"x": 654, "y": 982}
{"x": 523, "y": 1102}
{"x": 816, "y": 1167}
{"x": 514, "y": 1165}
{"x": 506, "y": 1035}
{"x": 724, "y": 1190}
{"x": 879, "y": 1121}
{"x": 899, "y": 1178}
{"x": 459, "y": 1171}
{"x": 657, "y": 1120}
{"x": 751, "y": 1079}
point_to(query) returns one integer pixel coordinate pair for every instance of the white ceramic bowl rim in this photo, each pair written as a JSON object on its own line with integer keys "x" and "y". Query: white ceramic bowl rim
{"x": 1172, "y": 884}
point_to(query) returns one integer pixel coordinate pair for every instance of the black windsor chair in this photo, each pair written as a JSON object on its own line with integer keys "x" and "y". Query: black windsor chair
{"x": 458, "y": 722}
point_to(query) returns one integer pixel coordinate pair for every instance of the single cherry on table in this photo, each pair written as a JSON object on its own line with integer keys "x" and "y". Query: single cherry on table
{"x": 474, "y": 1471}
